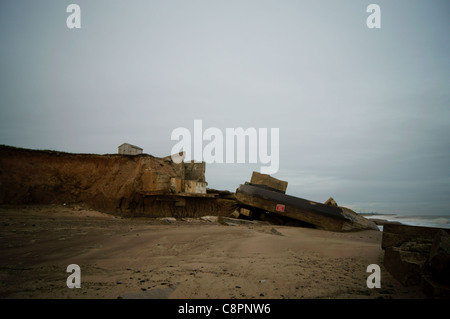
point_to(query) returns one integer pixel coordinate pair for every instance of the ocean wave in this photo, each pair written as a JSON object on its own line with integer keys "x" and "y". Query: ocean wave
{"x": 423, "y": 220}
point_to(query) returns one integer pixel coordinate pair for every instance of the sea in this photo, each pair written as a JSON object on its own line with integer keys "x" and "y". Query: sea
{"x": 419, "y": 220}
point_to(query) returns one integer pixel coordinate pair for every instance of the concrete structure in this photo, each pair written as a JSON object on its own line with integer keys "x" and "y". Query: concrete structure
{"x": 194, "y": 171}
{"x": 195, "y": 187}
{"x": 269, "y": 181}
{"x": 128, "y": 149}
{"x": 153, "y": 181}
{"x": 189, "y": 179}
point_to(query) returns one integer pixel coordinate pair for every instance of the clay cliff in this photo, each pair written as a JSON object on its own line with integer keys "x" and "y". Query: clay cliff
{"x": 110, "y": 183}
{"x": 107, "y": 182}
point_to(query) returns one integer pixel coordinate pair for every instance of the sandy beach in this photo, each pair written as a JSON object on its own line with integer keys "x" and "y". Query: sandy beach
{"x": 187, "y": 258}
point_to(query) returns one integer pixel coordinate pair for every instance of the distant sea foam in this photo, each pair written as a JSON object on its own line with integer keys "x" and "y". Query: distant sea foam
{"x": 420, "y": 220}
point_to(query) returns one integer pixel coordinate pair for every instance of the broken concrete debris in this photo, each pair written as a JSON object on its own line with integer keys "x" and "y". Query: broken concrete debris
{"x": 235, "y": 221}
{"x": 211, "y": 219}
{"x": 265, "y": 196}
{"x": 417, "y": 255}
{"x": 168, "y": 220}
{"x": 267, "y": 181}
{"x": 331, "y": 202}
{"x": 440, "y": 256}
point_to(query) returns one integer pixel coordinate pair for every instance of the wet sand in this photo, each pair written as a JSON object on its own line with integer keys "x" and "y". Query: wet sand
{"x": 190, "y": 258}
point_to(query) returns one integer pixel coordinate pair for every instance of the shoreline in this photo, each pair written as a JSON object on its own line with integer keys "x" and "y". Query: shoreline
{"x": 182, "y": 259}
{"x": 441, "y": 221}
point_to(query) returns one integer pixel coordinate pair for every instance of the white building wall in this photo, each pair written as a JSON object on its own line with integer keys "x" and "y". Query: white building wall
{"x": 127, "y": 149}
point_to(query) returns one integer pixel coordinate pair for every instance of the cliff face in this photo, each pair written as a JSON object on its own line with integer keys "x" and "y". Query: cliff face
{"x": 109, "y": 183}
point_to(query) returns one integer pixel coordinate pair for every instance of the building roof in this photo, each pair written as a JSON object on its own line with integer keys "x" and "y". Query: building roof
{"x": 134, "y": 146}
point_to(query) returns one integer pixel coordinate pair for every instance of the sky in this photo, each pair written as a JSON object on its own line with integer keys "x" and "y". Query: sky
{"x": 363, "y": 113}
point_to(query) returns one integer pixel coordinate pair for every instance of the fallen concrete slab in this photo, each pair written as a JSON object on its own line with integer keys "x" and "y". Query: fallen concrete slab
{"x": 320, "y": 215}
{"x": 269, "y": 181}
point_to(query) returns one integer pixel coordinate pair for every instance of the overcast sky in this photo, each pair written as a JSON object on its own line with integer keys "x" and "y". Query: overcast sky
{"x": 363, "y": 114}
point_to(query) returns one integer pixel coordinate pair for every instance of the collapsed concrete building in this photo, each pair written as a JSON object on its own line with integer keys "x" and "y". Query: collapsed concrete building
{"x": 265, "y": 198}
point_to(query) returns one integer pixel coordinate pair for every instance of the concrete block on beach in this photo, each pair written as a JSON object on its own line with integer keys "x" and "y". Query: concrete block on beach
{"x": 269, "y": 181}
{"x": 321, "y": 216}
{"x": 406, "y": 266}
{"x": 434, "y": 289}
{"x": 396, "y": 234}
{"x": 417, "y": 255}
{"x": 440, "y": 256}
